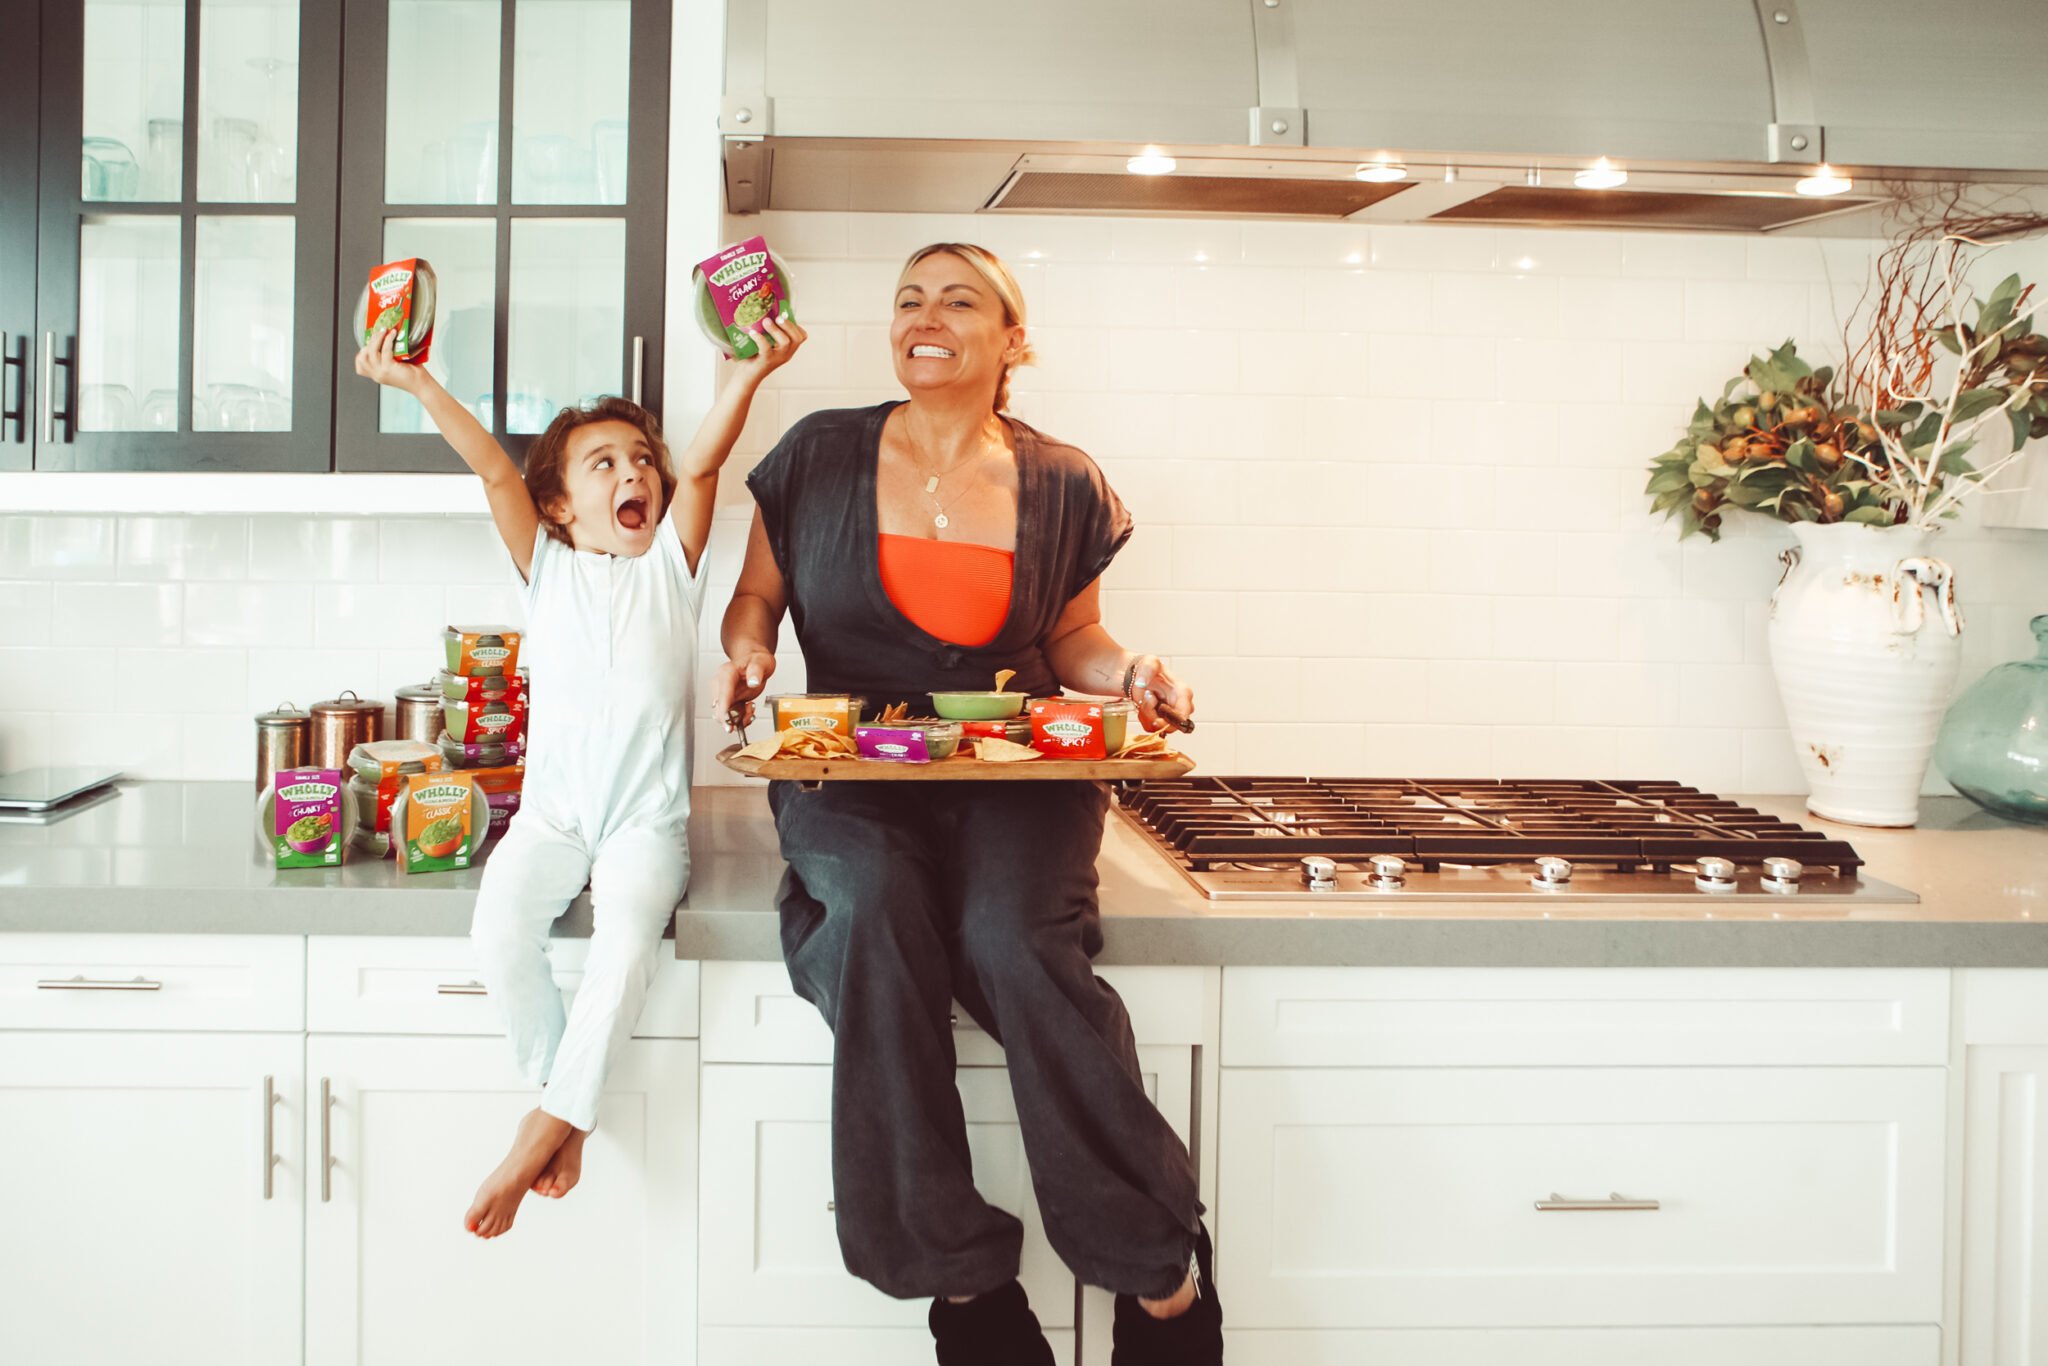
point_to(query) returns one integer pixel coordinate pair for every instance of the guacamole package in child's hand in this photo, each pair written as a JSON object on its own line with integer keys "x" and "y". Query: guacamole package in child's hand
{"x": 306, "y": 818}
{"x": 399, "y": 298}
{"x": 435, "y": 824}
{"x": 737, "y": 288}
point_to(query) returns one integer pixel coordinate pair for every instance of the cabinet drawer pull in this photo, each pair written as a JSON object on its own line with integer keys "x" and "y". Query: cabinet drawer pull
{"x": 1558, "y": 1204}
{"x": 326, "y": 1140}
{"x": 270, "y": 1156}
{"x": 16, "y": 359}
{"x": 81, "y": 983}
{"x": 462, "y": 989}
{"x": 831, "y": 1207}
{"x": 639, "y": 365}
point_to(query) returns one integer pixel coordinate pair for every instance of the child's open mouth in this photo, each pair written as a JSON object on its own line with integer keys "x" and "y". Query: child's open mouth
{"x": 633, "y": 514}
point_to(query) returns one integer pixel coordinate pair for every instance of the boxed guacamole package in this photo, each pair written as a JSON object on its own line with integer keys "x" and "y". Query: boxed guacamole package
{"x": 400, "y": 296}
{"x": 1063, "y": 729}
{"x": 475, "y": 650}
{"x": 305, "y": 827}
{"x": 437, "y": 822}
{"x": 737, "y": 288}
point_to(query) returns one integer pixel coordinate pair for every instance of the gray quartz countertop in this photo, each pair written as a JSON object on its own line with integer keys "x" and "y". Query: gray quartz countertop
{"x": 183, "y": 858}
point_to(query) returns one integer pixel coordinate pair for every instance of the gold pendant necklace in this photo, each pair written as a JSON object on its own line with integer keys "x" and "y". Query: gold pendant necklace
{"x": 931, "y": 481}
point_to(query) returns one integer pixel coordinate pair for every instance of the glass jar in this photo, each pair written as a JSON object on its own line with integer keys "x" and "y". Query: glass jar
{"x": 1994, "y": 744}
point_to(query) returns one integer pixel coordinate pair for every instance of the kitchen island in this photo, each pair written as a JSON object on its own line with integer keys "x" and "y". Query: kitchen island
{"x": 170, "y": 857}
{"x": 1796, "y": 1119}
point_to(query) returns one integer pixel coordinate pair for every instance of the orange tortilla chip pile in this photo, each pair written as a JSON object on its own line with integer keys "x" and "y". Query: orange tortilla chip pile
{"x": 1145, "y": 744}
{"x": 800, "y": 744}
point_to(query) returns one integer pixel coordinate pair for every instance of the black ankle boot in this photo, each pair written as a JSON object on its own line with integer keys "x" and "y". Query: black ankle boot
{"x": 1194, "y": 1338}
{"x": 996, "y": 1329}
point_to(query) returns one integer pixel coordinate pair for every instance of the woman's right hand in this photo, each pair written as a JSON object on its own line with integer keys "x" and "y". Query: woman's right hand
{"x": 378, "y": 360}
{"x": 739, "y": 682}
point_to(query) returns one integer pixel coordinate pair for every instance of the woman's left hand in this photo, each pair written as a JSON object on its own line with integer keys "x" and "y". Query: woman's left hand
{"x": 1152, "y": 686}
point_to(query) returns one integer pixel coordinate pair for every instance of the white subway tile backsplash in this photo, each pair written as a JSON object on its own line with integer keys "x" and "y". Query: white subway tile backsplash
{"x": 1390, "y": 474}
{"x": 266, "y": 614}
{"x": 313, "y": 549}
{"x": 184, "y": 547}
{"x": 434, "y": 551}
{"x": 1496, "y": 691}
{"x": 185, "y": 680}
{"x": 25, "y": 613}
{"x": 116, "y": 613}
{"x": 1495, "y": 306}
{"x": 1758, "y": 315}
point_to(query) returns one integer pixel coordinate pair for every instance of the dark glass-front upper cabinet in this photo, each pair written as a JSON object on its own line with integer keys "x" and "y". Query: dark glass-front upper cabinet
{"x": 518, "y": 146}
{"x": 187, "y": 211}
{"x": 19, "y": 346}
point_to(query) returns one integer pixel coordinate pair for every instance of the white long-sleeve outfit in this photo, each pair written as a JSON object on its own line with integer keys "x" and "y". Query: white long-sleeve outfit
{"x": 611, "y": 643}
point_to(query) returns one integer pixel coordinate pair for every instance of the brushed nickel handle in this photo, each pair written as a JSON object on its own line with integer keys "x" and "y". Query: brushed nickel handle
{"x": 270, "y": 1154}
{"x": 326, "y": 1140}
{"x": 639, "y": 365}
{"x": 831, "y": 1207}
{"x": 953, "y": 1018}
{"x": 1557, "y": 1204}
{"x": 462, "y": 989}
{"x": 82, "y": 983}
{"x": 48, "y": 396}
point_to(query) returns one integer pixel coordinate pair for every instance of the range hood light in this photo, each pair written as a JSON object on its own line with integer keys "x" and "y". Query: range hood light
{"x": 1382, "y": 171}
{"x": 1151, "y": 161}
{"x": 1824, "y": 181}
{"x": 1601, "y": 175}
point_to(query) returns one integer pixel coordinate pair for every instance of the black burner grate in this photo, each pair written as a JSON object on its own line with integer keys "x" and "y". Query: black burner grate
{"x": 1206, "y": 821}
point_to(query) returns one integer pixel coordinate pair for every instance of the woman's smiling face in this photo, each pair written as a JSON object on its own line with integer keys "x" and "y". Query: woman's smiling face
{"x": 948, "y": 331}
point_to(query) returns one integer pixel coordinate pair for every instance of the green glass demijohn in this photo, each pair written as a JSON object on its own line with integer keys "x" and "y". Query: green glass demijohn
{"x": 1994, "y": 744}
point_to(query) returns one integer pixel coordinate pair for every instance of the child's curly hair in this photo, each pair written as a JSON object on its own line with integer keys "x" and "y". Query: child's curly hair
{"x": 544, "y": 482}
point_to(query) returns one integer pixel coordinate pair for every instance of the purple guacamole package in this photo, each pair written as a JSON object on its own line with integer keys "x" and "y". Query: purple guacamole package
{"x": 908, "y": 744}
{"x": 306, "y": 825}
{"x": 737, "y": 288}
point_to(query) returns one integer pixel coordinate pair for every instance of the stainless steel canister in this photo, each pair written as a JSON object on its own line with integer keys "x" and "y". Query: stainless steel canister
{"x": 283, "y": 740}
{"x": 339, "y": 725}
{"x": 419, "y": 713}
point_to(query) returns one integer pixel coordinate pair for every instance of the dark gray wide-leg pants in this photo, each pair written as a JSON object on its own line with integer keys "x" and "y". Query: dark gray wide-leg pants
{"x": 900, "y": 897}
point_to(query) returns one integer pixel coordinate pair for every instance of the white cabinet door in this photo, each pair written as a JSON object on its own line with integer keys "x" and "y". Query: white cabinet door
{"x": 1408, "y": 1198}
{"x": 771, "y": 1246}
{"x": 1919, "y": 1345}
{"x": 135, "y": 1220}
{"x": 606, "y": 1274}
{"x": 2005, "y": 1207}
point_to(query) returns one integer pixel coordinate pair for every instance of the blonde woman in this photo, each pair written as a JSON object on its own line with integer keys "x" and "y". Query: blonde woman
{"x": 924, "y": 545}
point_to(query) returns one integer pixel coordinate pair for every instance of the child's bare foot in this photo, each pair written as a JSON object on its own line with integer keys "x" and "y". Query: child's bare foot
{"x": 497, "y": 1200}
{"x": 564, "y": 1169}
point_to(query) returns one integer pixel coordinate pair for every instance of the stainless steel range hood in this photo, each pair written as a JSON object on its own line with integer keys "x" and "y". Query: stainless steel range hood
{"x": 1713, "y": 107}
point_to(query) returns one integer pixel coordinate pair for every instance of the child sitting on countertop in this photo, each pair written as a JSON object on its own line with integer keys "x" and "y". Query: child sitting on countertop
{"x": 609, "y": 545}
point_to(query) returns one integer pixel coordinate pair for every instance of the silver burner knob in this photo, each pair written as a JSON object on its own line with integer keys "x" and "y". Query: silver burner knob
{"x": 1389, "y": 871}
{"x": 1552, "y": 873}
{"x": 1716, "y": 875}
{"x": 1319, "y": 873}
{"x": 1782, "y": 874}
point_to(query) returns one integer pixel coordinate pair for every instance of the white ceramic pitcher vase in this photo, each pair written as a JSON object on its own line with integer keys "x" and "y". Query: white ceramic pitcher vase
{"x": 1865, "y": 637}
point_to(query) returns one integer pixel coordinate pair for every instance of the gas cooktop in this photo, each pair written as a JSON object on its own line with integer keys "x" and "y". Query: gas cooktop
{"x": 1566, "y": 839}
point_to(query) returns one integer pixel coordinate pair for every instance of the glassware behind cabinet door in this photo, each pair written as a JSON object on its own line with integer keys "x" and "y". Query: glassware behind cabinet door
{"x": 107, "y": 170}
{"x": 163, "y": 160}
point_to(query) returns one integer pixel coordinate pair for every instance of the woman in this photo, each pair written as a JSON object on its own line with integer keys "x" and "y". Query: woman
{"x": 921, "y": 546}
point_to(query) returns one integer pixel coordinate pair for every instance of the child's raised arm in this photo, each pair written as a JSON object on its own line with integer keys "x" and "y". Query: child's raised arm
{"x": 511, "y": 506}
{"x": 697, "y": 468}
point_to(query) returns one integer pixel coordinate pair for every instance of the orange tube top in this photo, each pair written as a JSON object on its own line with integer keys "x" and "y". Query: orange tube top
{"x": 953, "y": 590}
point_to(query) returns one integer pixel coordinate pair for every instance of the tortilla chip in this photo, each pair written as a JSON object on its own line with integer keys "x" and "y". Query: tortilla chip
{"x": 762, "y": 750}
{"x": 1003, "y": 677}
{"x": 994, "y": 750}
{"x": 1145, "y": 744}
{"x": 894, "y": 712}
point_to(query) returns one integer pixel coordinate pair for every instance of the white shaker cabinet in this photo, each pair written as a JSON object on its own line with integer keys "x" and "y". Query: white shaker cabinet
{"x": 151, "y": 1209}
{"x": 2004, "y": 1025}
{"x": 411, "y": 1127}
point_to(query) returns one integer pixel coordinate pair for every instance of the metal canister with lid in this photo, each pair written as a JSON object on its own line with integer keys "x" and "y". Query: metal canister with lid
{"x": 340, "y": 724}
{"x": 283, "y": 740}
{"x": 419, "y": 713}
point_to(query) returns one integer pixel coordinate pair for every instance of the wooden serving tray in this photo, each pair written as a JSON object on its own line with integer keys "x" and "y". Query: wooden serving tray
{"x": 961, "y": 767}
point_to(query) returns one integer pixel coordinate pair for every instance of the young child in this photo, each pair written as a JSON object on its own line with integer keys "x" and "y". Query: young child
{"x": 609, "y": 544}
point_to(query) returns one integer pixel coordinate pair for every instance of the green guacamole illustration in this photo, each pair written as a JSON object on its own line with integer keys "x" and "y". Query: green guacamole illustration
{"x": 310, "y": 829}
